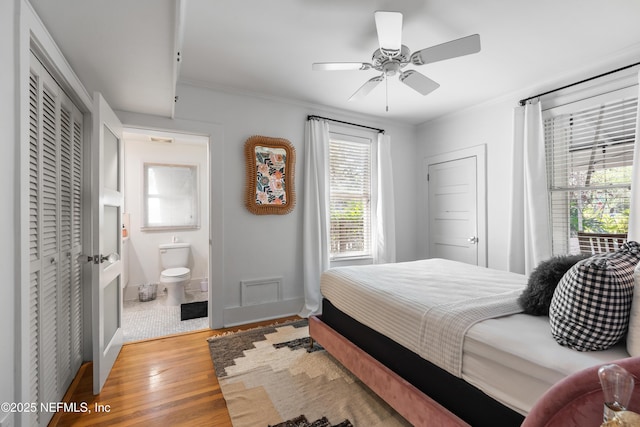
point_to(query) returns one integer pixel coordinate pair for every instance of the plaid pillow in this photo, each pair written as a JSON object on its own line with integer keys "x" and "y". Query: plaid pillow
{"x": 591, "y": 305}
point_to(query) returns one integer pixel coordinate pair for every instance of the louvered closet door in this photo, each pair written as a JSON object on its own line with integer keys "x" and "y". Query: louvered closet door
{"x": 55, "y": 182}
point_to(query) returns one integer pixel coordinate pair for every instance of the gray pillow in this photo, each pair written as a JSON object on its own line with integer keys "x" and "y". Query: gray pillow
{"x": 536, "y": 297}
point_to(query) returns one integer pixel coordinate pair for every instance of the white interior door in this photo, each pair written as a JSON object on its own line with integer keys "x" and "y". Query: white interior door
{"x": 107, "y": 200}
{"x": 453, "y": 210}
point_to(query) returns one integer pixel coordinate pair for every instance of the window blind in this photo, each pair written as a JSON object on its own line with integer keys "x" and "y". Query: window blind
{"x": 589, "y": 155}
{"x": 350, "y": 198}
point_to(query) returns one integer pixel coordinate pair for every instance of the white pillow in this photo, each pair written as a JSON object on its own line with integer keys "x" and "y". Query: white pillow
{"x": 633, "y": 334}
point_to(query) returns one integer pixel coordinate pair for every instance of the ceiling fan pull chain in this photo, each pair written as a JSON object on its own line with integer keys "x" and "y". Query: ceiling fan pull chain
{"x": 386, "y": 86}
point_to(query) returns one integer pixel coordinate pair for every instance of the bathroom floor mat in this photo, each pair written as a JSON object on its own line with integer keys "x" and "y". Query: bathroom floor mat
{"x": 193, "y": 310}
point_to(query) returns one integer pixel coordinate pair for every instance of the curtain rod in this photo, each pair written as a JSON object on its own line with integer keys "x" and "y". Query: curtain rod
{"x": 524, "y": 101}
{"x": 344, "y": 123}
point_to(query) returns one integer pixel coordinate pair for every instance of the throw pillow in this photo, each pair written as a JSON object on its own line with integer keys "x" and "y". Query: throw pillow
{"x": 633, "y": 334}
{"x": 536, "y": 297}
{"x": 590, "y": 307}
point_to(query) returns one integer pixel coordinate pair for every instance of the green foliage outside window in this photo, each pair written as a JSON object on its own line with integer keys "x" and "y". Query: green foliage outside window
{"x": 347, "y": 229}
{"x": 601, "y": 210}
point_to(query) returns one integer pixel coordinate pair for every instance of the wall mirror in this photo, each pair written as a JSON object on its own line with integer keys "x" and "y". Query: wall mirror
{"x": 170, "y": 196}
{"x": 270, "y": 169}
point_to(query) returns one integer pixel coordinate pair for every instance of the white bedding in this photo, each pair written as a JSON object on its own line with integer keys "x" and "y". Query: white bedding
{"x": 513, "y": 358}
{"x": 408, "y": 303}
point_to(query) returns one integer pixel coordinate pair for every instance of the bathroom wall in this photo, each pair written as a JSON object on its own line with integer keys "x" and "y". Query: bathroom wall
{"x": 144, "y": 256}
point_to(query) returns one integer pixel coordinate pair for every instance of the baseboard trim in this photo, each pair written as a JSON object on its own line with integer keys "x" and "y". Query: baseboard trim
{"x": 71, "y": 390}
{"x": 234, "y": 316}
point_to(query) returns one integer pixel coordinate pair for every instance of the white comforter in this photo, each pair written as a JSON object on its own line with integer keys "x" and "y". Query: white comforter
{"x": 427, "y": 306}
{"x": 514, "y": 359}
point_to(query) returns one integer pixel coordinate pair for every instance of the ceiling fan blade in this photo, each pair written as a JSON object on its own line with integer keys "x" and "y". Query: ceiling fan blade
{"x": 418, "y": 82}
{"x": 339, "y": 66}
{"x": 460, "y": 47}
{"x": 366, "y": 88}
{"x": 389, "y": 27}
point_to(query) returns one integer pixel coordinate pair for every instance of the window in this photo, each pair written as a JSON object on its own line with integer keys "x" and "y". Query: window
{"x": 170, "y": 196}
{"x": 589, "y": 152}
{"x": 350, "y": 165}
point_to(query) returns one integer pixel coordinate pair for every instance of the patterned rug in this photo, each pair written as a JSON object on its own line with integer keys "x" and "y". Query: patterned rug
{"x": 270, "y": 377}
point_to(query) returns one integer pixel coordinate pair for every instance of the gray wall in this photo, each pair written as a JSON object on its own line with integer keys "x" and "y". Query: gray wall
{"x": 257, "y": 247}
{"x": 266, "y": 246}
{"x": 491, "y": 125}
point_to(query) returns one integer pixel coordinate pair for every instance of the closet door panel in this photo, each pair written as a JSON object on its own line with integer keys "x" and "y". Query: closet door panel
{"x": 49, "y": 189}
{"x": 64, "y": 284}
{"x": 48, "y": 334}
{"x": 50, "y": 134}
{"x": 55, "y": 240}
{"x": 34, "y": 240}
{"x": 34, "y": 168}
{"x": 76, "y": 242}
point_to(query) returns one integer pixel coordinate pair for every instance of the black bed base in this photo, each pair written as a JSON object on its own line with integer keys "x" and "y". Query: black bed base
{"x": 463, "y": 399}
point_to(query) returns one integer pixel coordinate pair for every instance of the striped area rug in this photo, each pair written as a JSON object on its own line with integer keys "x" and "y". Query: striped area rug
{"x": 270, "y": 377}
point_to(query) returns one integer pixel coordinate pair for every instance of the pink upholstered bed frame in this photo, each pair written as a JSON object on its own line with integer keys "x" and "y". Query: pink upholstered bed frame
{"x": 415, "y": 406}
{"x": 576, "y": 401}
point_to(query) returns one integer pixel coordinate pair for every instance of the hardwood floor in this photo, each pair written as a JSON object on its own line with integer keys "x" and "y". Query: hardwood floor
{"x": 168, "y": 381}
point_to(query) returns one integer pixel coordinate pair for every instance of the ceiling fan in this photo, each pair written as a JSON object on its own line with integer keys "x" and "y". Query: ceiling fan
{"x": 393, "y": 56}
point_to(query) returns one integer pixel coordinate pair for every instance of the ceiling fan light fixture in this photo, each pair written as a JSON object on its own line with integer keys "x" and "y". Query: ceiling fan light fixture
{"x": 391, "y": 68}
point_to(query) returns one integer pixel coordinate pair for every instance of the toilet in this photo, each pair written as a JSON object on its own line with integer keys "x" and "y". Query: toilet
{"x": 174, "y": 258}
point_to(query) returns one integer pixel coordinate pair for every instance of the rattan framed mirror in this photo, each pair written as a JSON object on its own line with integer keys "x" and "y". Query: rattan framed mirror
{"x": 270, "y": 175}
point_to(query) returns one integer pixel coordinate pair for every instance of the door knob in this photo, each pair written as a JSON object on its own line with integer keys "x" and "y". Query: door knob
{"x": 473, "y": 240}
{"x": 111, "y": 258}
{"x": 99, "y": 259}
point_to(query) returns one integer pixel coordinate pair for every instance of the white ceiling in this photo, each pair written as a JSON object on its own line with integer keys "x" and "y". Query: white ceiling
{"x": 127, "y": 49}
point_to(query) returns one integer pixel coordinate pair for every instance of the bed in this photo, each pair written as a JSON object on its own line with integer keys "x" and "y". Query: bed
{"x": 484, "y": 364}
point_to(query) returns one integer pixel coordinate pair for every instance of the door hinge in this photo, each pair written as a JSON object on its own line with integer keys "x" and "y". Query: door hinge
{"x": 428, "y": 177}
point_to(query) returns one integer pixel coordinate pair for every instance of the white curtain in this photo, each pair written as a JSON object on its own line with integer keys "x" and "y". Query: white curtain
{"x": 634, "y": 209}
{"x": 385, "y": 242}
{"x": 529, "y": 227}
{"x": 315, "y": 222}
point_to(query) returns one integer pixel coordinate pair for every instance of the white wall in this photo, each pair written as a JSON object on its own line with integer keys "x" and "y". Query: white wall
{"x": 8, "y": 220}
{"x": 488, "y": 124}
{"x": 144, "y": 256}
{"x": 491, "y": 123}
{"x": 257, "y": 247}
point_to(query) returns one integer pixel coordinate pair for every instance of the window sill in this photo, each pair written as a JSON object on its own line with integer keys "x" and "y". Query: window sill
{"x": 353, "y": 260}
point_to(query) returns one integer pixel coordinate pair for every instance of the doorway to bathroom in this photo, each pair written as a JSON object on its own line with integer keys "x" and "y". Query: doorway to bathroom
{"x": 166, "y": 206}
